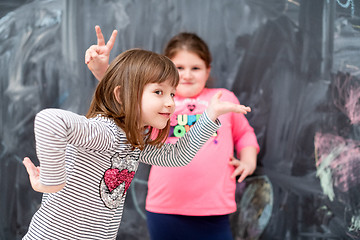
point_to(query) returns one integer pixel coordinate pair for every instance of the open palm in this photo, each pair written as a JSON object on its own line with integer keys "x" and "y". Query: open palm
{"x": 218, "y": 107}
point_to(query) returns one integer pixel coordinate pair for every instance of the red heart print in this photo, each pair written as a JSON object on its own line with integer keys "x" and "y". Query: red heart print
{"x": 113, "y": 178}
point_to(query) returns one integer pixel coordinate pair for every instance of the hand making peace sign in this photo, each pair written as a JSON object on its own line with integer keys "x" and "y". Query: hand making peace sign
{"x": 97, "y": 56}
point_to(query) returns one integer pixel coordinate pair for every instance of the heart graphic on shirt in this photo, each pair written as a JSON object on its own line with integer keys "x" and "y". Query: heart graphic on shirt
{"x": 191, "y": 107}
{"x": 113, "y": 177}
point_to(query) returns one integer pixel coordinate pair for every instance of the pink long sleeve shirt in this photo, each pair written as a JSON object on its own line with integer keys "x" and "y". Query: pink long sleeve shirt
{"x": 204, "y": 186}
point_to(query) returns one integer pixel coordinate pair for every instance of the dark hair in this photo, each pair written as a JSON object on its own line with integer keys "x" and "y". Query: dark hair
{"x": 131, "y": 71}
{"x": 189, "y": 42}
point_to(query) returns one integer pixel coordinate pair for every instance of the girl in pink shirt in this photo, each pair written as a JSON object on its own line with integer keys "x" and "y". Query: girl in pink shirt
{"x": 194, "y": 202}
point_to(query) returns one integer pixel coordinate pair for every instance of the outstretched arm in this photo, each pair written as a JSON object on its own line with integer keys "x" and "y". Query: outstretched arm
{"x": 184, "y": 150}
{"x": 97, "y": 56}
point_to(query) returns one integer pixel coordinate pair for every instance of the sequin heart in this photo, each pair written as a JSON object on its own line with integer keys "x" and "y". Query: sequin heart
{"x": 113, "y": 178}
{"x": 191, "y": 107}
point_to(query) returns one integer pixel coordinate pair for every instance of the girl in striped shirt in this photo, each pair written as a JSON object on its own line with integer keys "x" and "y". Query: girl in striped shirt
{"x": 87, "y": 163}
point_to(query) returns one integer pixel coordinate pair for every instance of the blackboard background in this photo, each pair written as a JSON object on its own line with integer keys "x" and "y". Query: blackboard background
{"x": 295, "y": 62}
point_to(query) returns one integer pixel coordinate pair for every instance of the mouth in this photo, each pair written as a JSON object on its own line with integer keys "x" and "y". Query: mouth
{"x": 185, "y": 83}
{"x": 167, "y": 115}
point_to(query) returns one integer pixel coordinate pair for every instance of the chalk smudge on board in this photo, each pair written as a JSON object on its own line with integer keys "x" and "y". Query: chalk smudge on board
{"x": 338, "y": 157}
{"x": 254, "y": 208}
{"x": 346, "y": 95}
{"x": 338, "y": 166}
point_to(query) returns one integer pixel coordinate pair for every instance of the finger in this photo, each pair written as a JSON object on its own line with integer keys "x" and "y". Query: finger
{"x": 38, "y": 171}
{"x": 90, "y": 53}
{"x": 111, "y": 41}
{"x": 232, "y": 158}
{"x": 242, "y": 109}
{"x": 87, "y": 56}
{"x": 218, "y": 95}
{"x": 237, "y": 172}
{"x": 30, "y": 167}
{"x": 93, "y": 54}
{"x": 242, "y": 176}
{"x": 246, "y": 108}
{"x": 100, "y": 36}
{"x": 234, "y": 162}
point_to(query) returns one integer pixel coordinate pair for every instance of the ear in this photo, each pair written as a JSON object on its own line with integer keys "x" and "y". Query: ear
{"x": 117, "y": 94}
{"x": 208, "y": 70}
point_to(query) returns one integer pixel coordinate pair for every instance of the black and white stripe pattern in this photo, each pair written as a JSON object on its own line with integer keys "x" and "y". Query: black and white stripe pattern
{"x": 183, "y": 151}
{"x": 78, "y": 150}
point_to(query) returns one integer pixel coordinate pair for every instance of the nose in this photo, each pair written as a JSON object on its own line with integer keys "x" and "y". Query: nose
{"x": 186, "y": 74}
{"x": 169, "y": 102}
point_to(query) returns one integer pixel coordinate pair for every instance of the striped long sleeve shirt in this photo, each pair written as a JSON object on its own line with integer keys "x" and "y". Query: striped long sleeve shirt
{"x": 97, "y": 164}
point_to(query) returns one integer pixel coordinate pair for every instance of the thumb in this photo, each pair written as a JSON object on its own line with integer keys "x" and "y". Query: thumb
{"x": 30, "y": 167}
{"x": 218, "y": 95}
{"x": 234, "y": 162}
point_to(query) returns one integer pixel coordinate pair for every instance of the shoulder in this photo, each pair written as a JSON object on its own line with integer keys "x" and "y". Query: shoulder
{"x": 56, "y": 116}
{"x": 215, "y": 90}
{"x": 57, "y": 112}
{"x": 108, "y": 123}
{"x": 51, "y": 114}
{"x": 50, "y": 111}
{"x": 227, "y": 95}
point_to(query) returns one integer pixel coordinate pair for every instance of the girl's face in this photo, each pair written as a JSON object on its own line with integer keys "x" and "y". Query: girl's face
{"x": 157, "y": 104}
{"x": 193, "y": 73}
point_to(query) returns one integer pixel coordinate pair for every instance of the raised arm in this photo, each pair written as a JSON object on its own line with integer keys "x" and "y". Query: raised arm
{"x": 184, "y": 150}
{"x": 97, "y": 56}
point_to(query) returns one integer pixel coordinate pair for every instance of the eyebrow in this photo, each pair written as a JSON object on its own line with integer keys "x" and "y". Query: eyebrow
{"x": 156, "y": 84}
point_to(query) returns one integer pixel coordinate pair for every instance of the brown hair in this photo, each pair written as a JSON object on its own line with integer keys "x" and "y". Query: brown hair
{"x": 189, "y": 42}
{"x": 131, "y": 71}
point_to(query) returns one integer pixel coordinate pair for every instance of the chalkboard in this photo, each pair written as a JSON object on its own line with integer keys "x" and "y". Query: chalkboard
{"x": 295, "y": 62}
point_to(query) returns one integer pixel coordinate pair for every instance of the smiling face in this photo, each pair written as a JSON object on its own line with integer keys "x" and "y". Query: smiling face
{"x": 157, "y": 104}
{"x": 192, "y": 71}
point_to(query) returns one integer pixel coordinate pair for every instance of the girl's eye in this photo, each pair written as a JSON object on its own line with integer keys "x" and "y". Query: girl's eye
{"x": 180, "y": 68}
{"x": 195, "y": 68}
{"x": 172, "y": 95}
{"x": 158, "y": 92}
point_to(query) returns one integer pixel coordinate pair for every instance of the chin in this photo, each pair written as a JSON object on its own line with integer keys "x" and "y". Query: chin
{"x": 186, "y": 95}
{"x": 159, "y": 126}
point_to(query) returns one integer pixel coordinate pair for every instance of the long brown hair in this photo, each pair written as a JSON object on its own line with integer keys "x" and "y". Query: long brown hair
{"x": 131, "y": 71}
